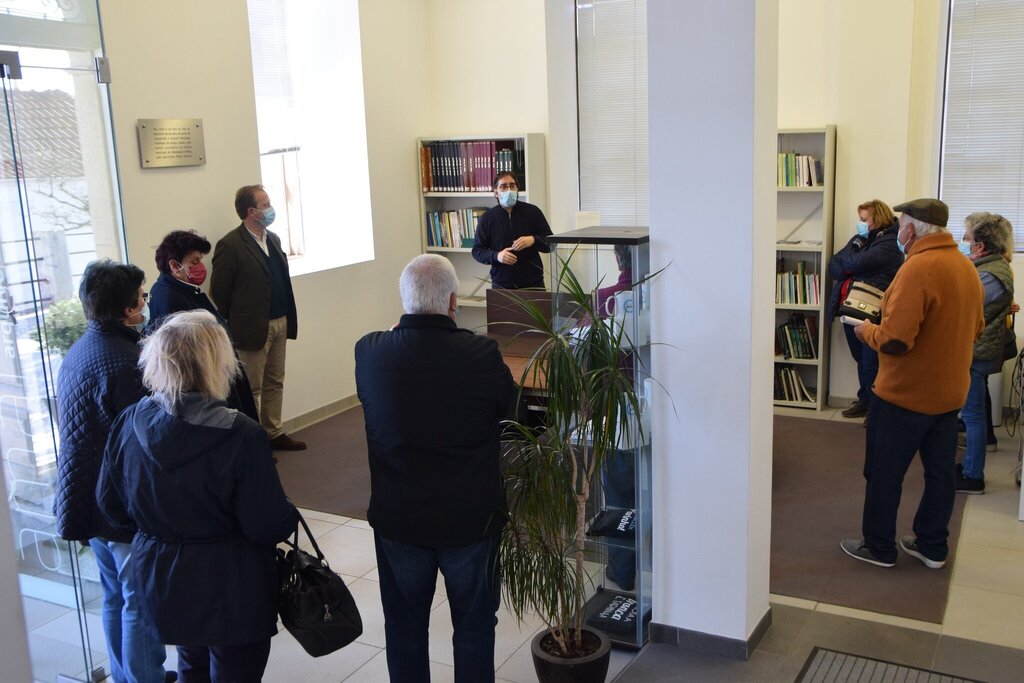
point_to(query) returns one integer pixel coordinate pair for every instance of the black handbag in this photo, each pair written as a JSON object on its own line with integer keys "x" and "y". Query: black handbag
{"x": 1009, "y": 340}
{"x": 314, "y": 603}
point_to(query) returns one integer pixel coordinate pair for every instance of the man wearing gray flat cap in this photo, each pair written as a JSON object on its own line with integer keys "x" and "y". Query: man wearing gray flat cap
{"x": 931, "y": 316}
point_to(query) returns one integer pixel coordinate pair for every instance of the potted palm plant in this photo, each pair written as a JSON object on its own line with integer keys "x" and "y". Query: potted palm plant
{"x": 550, "y": 470}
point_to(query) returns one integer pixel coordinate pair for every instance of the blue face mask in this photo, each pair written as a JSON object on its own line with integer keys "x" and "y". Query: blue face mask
{"x": 145, "y": 318}
{"x": 902, "y": 247}
{"x": 965, "y": 248}
{"x": 268, "y": 216}
{"x": 862, "y": 229}
{"x": 508, "y": 198}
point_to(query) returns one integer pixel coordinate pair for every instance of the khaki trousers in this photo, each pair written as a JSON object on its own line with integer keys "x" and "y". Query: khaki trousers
{"x": 265, "y": 370}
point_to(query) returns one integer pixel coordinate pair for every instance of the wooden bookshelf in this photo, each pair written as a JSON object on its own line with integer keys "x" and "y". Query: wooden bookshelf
{"x": 455, "y": 175}
{"x": 804, "y": 228}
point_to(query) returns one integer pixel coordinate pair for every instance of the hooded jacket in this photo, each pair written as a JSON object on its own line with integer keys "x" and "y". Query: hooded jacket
{"x": 98, "y": 378}
{"x": 198, "y": 482}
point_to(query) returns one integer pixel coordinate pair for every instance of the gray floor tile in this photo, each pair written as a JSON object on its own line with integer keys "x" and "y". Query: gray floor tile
{"x": 787, "y": 623}
{"x": 982, "y": 661}
{"x": 658, "y": 663}
{"x": 865, "y": 638}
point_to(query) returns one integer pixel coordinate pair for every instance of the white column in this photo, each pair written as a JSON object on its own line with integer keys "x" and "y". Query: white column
{"x": 713, "y": 108}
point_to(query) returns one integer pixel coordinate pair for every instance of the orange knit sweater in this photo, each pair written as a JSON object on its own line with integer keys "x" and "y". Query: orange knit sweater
{"x": 934, "y": 307}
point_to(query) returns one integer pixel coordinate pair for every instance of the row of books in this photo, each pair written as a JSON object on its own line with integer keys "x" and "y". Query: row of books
{"x": 799, "y": 170}
{"x": 789, "y": 386}
{"x": 469, "y": 166}
{"x": 798, "y": 337}
{"x": 797, "y": 286}
{"x": 455, "y": 228}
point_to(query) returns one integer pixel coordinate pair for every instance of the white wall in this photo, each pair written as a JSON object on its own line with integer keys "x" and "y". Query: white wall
{"x": 873, "y": 68}
{"x": 198, "y": 65}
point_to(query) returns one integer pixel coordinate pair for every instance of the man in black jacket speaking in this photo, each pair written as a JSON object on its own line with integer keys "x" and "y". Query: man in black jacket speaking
{"x": 433, "y": 396}
{"x": 510, "y": 237}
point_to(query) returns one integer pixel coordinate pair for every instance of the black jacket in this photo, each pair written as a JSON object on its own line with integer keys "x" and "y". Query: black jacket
{"x": 240, "y": 286}
{"x": 433, "y": 397}
{"x": 873, "y": 260}
{"x": 99, "y": 377}
{"x": 497, "y": 229}
{"x": 170, "y": 295}
{"x": 201, "y": 488}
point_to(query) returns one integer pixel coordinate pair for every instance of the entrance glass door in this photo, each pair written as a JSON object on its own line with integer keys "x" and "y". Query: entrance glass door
{"x": 59, "y": 210}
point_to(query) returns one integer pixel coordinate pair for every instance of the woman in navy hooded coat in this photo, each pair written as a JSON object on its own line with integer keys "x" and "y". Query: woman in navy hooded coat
{"x": 197, "y": 480}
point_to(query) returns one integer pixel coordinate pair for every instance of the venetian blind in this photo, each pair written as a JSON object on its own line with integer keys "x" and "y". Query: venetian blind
{"x": 611, "y": 62}
{"x": 983, "y": 135}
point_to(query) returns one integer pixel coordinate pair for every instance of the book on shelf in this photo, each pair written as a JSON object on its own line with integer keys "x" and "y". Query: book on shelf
{"x": 798, "y": 170}
{"x": 469, "y": 165}
{"x": 455, "y": 228}
{"x": 790, "y": 386}
{"x": 797, "y": 337}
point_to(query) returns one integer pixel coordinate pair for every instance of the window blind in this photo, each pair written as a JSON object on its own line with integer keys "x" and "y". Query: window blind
{"x": 611, "y": 63}
{"x": 983, "y": 132}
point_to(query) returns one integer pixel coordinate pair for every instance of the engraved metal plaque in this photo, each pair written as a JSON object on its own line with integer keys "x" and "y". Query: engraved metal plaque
{"x": 171, "y": 142}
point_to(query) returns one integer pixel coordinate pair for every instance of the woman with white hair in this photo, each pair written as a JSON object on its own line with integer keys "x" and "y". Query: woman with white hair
{"x": 196, "y": 478}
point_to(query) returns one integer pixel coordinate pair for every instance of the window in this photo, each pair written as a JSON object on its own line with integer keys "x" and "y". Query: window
{"x": 983, "y": 131}
{"x": 611, "y": 63}
{"x": 307, "y": 73}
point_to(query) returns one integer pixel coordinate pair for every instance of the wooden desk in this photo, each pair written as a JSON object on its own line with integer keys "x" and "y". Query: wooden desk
{"x": 516, "y": 351}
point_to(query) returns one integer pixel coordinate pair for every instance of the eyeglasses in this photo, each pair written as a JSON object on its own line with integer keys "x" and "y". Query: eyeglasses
{"x": 508, "y": 186}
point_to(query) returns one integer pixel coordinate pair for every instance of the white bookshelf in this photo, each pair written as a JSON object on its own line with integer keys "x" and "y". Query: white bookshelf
{"x": 473, "y": 276}
{"x": 804, "y": 228}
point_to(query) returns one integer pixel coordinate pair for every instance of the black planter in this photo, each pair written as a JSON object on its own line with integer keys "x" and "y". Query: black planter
{"x": 589, "y": 669}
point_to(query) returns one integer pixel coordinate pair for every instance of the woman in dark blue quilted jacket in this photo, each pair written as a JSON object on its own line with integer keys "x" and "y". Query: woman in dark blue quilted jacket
{"x": 98, "y": 379}
{"x": 179, "y": 258}
{"x": 196, "y": 479}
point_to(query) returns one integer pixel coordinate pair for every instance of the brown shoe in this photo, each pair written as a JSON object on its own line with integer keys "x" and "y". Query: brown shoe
{"x": 284, "y": 442}
{"x": 858, "y": 409}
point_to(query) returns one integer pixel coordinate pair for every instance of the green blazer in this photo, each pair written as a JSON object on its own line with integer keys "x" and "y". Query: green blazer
{"x": 240, "y": 286}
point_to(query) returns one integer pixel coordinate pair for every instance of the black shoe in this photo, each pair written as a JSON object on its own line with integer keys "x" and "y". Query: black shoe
{"x": 170, "y": 676}
{"x": 858, "y": 409}
{"x": 968, "y": 485}
{"x": 858, "y": 551}
{"x": 284, "y": 442}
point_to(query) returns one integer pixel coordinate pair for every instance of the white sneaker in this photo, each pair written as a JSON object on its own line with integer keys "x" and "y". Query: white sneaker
{"x": 909, "y": 545}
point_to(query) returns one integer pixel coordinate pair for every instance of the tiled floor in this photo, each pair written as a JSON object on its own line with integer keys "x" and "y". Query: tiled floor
{"x": 980, "y": 637}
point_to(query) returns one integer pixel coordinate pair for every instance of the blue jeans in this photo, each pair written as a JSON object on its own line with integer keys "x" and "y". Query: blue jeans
{"x": 408, "y": 575}
{"x": 973, "y": 414}
{"x": 136, "y": 655}
{"x": 867, "y": 365}
{"x": 895, "y": 435}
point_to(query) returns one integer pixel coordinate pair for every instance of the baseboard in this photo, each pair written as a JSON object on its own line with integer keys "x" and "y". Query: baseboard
{"x": 706, "y": 643}
{"x": 320, "y": 414}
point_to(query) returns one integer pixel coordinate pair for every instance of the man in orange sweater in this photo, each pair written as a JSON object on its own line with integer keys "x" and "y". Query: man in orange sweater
{"x": 931, "y": 316}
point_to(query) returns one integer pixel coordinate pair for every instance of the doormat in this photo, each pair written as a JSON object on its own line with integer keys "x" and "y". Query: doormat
{"x": 830, "y": 666}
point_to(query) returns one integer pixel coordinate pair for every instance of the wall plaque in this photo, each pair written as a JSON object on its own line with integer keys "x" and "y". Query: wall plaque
{"x": 171, "y": 142}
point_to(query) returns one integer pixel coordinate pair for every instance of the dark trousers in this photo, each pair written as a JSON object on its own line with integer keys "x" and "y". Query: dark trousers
{"x": 894, "y": 436}
{"x": 618, "y": 478}
{"x": 867, "y": 365}
{"x": 408, "y": 575}
{"x": 223, "y": 664}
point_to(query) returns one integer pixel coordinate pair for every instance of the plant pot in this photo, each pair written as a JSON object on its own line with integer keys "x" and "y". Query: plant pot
{"x": 592, "y": 668}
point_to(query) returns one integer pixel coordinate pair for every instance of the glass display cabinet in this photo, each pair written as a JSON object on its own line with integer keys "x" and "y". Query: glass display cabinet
{"x": 613, "y": 264}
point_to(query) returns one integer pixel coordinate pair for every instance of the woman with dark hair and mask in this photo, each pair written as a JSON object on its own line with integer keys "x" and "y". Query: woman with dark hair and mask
{"x": 179, "y": 258}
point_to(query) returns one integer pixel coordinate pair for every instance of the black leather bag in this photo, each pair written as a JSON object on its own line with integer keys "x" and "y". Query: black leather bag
{"x": 863, "y": 302}
{"x": 314, "y": 603}
{"x": 1009, "y": 341}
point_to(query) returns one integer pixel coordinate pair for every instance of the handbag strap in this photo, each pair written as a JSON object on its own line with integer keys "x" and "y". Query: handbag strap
{"x": 309, "y": 535}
